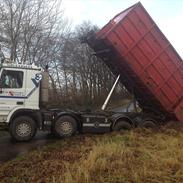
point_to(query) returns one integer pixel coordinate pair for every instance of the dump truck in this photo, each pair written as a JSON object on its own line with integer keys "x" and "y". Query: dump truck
{"x": 135, "y": 50}
{"x": 132, "y": 45}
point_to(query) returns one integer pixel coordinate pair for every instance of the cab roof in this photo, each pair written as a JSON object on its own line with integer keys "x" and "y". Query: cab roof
{"x": 20, "y": 66}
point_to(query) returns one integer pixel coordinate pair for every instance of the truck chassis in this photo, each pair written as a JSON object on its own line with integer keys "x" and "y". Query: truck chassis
{"x": 24, "y": 124}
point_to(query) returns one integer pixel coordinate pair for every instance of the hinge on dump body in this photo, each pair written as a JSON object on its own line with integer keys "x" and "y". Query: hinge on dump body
{"x": 101, "y": 52}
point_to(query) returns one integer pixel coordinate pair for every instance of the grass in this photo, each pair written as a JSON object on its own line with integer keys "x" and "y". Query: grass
{"x": 137, "y": 156}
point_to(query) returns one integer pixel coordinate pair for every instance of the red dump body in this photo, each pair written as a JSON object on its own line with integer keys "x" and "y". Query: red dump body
{"x": 132, "y": 45}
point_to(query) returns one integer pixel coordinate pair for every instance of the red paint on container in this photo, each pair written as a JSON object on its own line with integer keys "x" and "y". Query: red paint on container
{"x": 149, "y": 65}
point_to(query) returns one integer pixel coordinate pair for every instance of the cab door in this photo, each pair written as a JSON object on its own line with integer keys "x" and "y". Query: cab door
{"x": 12, "y": 93}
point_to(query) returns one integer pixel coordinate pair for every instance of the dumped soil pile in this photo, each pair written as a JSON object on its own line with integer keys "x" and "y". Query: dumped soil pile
{"x": 136, "y": 156}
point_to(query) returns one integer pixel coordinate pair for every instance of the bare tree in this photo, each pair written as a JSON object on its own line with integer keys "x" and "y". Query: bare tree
{"x": 34, "y": 31}
{"x": 85, "y": 78}
{"x": 31, "y": 28}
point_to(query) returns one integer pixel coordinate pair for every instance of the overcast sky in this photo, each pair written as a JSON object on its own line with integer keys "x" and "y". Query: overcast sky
{"x": 168, "y": 14}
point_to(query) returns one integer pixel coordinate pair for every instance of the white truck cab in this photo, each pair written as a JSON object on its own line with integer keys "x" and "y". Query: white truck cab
{"x": 19, "y": 89}
{"x": 19, "y": 93}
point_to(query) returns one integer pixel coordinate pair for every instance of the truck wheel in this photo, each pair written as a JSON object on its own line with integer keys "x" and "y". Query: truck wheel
{"x": 65, "y": 126}
{"x": 23, "y": 128}
{"x": 148, "y": 124}
{"x": 122, "y": 125}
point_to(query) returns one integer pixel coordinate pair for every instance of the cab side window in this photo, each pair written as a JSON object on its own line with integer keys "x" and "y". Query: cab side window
{"x": 12, "y": 79}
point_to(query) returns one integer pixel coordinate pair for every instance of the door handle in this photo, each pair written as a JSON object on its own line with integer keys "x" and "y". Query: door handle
{"x": 20, "y": 103}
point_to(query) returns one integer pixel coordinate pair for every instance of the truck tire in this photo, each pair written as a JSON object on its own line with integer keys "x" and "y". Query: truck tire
{"x": 22, "y": 129}
{"x": 148, "y": 124}
{"x": 122, "y": 126}
{"x": 65, "y": 126}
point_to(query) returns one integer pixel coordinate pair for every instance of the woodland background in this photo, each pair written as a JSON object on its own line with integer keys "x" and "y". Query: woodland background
{"x": 36, "y": 32}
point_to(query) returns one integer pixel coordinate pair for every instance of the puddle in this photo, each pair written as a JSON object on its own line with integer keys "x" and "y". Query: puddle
{"x": 10, "y": 150}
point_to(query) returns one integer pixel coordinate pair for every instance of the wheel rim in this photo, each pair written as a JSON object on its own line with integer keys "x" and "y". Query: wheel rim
{"x": 23, "y": 130}
{"x": 65, "y": 127}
